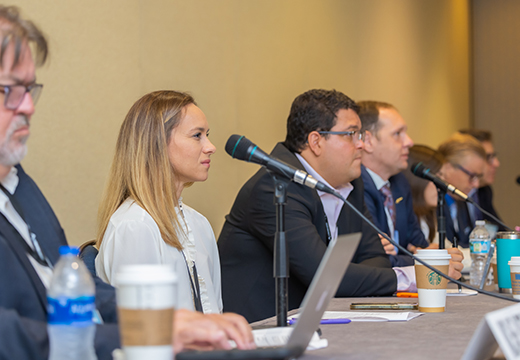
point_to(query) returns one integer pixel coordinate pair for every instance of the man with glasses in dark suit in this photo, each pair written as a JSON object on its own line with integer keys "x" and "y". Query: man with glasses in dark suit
{"x": 464, "y": 169}
{"x": 484, "y": 194}
{"x": 325, "y": 139}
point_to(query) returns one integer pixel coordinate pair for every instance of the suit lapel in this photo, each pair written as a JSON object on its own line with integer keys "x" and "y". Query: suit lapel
{"x": 12, "y": 237}
{"x": 371, "y": 189}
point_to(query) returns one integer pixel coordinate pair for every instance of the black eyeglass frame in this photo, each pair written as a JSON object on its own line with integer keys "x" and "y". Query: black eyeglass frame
{"x": 472, "y": 175}
{"x": 491, "y": 156}
{"x": 13, "y": 103}
{"x": 350, "y": 133}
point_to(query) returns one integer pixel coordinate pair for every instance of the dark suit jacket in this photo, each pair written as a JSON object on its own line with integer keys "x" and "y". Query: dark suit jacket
{"x": 406, "y": 222}
{"x": 485, "y": 200}
{"x": 463, "y": 222}
{"x": 23, "y": 300}
{"x": 247, "y": 239}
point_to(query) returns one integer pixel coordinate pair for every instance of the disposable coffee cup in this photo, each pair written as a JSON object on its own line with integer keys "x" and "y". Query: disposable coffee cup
{"x": 146, "y": 298}
{"x": 514, "y": 265}
{"x": 431, "y": 287}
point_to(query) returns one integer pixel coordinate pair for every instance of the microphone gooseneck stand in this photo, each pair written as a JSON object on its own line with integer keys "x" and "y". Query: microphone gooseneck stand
{"x": 441, "y": 218}
{"x": 497, "y": 220}
{"x": 405, "y": 251}
{"x": 441, "y": 224}
{"x": 280, "y": 253}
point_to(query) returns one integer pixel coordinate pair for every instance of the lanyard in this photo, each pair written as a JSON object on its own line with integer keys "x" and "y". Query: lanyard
{"x": 194, "y": 281}
{"x": 195, "y": 287}
{"x": 329, "y": 235}
{"x": 36, "y": 252}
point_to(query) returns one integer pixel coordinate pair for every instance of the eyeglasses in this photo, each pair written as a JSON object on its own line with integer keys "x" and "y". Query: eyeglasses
{"x": 354, "y": 135}
{"x": 14, "y": 94}
{"x": 491, "y": 156}
{"x": 472, "y": 176}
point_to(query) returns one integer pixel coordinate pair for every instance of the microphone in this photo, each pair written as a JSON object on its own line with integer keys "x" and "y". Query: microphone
{"x": 518, "y": 180}
{"x": 423, "y": 172}
{"x": 241, "y": 148}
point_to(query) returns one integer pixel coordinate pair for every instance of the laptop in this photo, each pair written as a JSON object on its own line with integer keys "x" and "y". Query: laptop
{"x": 323, "y": 287}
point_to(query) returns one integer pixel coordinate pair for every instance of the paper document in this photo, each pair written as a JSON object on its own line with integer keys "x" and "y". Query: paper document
{"x": 279, "y": 336}
{"x": 369, "y": 316}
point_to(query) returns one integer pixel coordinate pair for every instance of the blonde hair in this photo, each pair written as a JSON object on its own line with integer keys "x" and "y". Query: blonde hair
{"x": 141, "y": 168}
{"x": 458, "y": 146}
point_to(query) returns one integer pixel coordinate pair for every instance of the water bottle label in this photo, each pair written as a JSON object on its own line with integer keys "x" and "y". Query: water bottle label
{"x": 66, "y": 311}
{"x": 479, "y": 247}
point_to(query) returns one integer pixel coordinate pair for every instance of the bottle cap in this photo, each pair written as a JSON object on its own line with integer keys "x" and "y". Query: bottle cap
{"x": 65, "y": 250}
{"x": 480, "y": 223}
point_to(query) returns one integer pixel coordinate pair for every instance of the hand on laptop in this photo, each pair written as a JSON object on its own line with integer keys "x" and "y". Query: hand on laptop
{"x": 194, "y": 330}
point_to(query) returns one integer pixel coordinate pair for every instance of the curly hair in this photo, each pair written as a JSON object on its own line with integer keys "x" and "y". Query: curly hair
{"x": 314, "y": 110}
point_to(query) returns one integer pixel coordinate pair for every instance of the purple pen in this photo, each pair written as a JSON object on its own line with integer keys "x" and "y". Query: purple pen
{"x": 335, "y": 321}
{"x": 324, "y": 321}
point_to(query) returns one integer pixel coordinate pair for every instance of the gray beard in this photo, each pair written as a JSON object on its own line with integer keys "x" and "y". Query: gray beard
{"x": 12, "y": 151}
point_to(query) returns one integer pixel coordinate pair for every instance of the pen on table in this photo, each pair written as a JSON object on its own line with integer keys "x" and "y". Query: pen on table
{"x": 324, "y": 321}
{"x": 406, "y": 294}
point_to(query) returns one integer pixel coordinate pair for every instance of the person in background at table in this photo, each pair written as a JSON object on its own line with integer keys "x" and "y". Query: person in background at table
{"x": 25, "y": 273}
{"x": 163, "y": 146}
{"x": 324, "y": 138}
{"x": 424, "y": 192}
{"x": 387, "y": 192}
{"x": 484, "y": 194}
{"x": 464, "y": 167}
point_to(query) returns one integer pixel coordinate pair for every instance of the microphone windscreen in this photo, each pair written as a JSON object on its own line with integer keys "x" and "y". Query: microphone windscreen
{"x": 418, "y": 168}
{"x": 237, "y": 146}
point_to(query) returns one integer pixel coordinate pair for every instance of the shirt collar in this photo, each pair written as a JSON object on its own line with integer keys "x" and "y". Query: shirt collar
{"x": 10, "y": 182}
{"x": 344, "y": 191}
{"x": 378, "y": 180}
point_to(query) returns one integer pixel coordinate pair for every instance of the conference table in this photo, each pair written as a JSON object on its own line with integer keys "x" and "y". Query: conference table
{"x": 429, "y": 336}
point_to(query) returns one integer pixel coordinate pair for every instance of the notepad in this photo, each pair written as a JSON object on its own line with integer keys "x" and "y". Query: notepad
{"x": 369, "y": 316}
{"x": 279, "y": 336}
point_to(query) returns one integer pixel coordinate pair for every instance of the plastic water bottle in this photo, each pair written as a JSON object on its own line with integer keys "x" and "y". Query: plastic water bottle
{"x": 479, "y": 243}
{"x": 70, "y": 299}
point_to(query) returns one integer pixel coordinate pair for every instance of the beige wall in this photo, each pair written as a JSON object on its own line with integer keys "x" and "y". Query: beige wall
{"x": 244, "y": 61}
{"x": 496, "y": 91}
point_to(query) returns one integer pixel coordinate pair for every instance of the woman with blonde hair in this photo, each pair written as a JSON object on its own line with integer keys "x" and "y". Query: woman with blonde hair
{"x": 162, "y": 147}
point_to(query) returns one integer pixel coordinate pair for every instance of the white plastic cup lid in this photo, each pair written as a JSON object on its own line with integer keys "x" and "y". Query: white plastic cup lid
{"x": 515, "y": 260}
{"x": 145, "y": 274}
{"x": 436, "y": 254}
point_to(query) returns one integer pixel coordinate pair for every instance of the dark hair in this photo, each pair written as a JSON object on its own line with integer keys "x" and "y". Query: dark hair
{"x": 480, "y": 135}
{"x": 15, "y": 30}
{"x": 433, "y": 160}
{"x": 314, "y": 110}
{"x": 369, "y": 114}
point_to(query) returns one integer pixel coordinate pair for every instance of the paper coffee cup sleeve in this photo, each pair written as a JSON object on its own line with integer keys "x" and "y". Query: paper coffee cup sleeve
{"x": 146, "y": 327}
{"x": 433, "y": 280}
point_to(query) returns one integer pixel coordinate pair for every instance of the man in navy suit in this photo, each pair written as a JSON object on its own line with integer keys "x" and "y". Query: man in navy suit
{"x": 464, "y": 169}
{"x": 387, "y": 193}
{"x": 30, "y": 233}
{"x": 484, "y": 194}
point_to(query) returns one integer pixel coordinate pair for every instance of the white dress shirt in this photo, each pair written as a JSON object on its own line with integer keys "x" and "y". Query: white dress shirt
{"x": 133, "y": 237}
